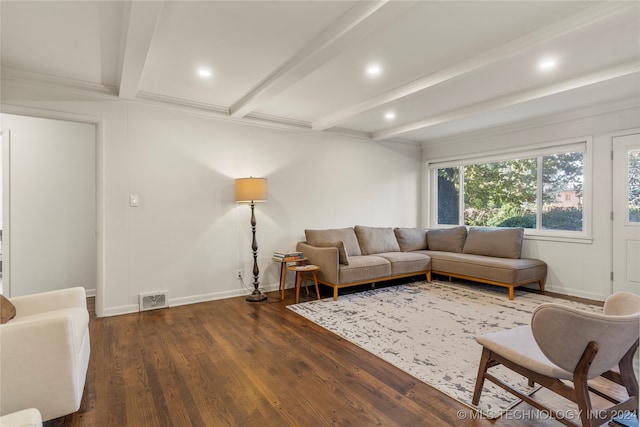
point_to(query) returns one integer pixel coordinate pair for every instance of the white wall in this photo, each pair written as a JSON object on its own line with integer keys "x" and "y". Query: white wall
{"x": 188, "y": 236}
{"x": 53, "y": 215}
{"x": 581, "y": 269}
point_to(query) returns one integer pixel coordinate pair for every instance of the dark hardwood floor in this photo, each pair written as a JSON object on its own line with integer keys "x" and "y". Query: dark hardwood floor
{"x": 232, "y": 363}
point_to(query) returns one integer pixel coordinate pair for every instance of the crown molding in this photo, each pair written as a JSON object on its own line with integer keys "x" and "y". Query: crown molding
{"x": 101, "y": 92}
{"x": 180, "y": 103}
{"x": 612, "y": 107}
{"x": 367, "y": 136}
{"x": 191, "y": 108}
{"x": 78, "y": 87}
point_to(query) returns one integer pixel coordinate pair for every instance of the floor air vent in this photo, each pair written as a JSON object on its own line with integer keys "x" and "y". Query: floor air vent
{"x": 153, "y": 300}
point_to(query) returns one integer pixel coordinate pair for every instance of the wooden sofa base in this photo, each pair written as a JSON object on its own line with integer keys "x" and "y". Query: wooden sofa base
{"x": 372, "y": 281}
{"x": 509, "y": 286}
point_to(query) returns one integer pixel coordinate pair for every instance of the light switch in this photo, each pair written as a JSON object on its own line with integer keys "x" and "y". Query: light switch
{"x": 134, "y": 200}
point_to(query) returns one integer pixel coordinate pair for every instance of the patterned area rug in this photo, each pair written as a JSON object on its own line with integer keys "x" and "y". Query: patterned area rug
{"x": 428, "y": 330}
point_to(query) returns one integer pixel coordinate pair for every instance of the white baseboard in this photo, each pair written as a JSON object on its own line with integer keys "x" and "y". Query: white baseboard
{"x": 194, "y": 299}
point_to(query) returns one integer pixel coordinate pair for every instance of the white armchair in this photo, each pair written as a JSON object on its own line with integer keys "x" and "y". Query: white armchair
{"x": 26, "y": 418}
{"x": 44, "y": 353}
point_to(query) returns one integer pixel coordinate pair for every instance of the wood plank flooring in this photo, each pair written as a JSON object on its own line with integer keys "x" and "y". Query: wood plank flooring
{"x": 232, "y": 363}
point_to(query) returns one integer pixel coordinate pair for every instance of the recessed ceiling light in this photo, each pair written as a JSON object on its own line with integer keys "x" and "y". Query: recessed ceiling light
{"x": 374, "y": 70}
{"x": 547, "y": 64}
{"x": 203, "y": 72}
{"x": 390, "y": 115}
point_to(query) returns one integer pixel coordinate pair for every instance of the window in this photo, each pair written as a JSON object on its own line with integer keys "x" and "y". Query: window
{"x": 541, "y": 190}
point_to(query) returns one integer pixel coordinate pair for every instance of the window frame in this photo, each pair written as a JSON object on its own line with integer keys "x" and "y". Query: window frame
{"x": 584, "y": 144}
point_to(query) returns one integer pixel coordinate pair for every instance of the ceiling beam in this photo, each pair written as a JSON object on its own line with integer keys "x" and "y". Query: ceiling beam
{"x": 342, "y": 34}
{"x": 599, "y": 12}
{"x": 512, "y": 99}
{"x": 143, "y": 19}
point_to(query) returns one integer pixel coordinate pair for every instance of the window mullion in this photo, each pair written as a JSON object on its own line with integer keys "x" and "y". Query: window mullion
{"x": 461, "y": 198}
{"x": 539, "y": 194}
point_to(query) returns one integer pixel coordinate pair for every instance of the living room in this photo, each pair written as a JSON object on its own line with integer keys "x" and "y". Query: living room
{"x": 188, "y": 237}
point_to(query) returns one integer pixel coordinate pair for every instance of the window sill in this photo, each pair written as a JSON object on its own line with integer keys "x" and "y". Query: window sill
{"x": 585, "y": 240}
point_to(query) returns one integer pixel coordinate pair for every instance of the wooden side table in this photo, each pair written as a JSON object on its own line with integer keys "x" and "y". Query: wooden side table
{"x": 283, "y": 272}
{"x": 300, "y": 270}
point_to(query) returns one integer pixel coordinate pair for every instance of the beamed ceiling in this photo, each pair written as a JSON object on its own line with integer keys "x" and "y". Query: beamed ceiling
{"x": 444, "y": 68}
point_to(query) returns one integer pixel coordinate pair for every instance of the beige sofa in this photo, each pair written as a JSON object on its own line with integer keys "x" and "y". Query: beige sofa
{"x": 358, "y": 255}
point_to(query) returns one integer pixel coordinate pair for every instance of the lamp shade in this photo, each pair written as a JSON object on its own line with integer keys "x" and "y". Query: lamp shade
{"x": 251, "y": 190}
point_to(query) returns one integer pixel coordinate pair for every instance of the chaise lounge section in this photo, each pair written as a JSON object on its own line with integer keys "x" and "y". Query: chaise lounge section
{"x": 355, "y": 256}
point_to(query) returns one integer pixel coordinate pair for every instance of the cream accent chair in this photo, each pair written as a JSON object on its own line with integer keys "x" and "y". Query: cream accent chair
{"x": 44, "y": 353}
{"x": 563, "y": 345}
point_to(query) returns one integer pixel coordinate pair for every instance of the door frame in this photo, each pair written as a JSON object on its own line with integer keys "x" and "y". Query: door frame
{"x": 100, "y": 183}
{"x": 6, "y": 212}
{"x": 627, "y": 132}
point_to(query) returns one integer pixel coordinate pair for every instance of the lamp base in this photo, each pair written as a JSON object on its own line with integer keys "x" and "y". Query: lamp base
{"x": 256, "y": 296}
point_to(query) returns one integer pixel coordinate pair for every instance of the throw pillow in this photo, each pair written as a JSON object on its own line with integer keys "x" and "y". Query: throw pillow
{"x": 448, "y": 239}
{"x": 376, "y": 240}
{"x": 411, "y": 239}
{"x": 345, "y": 235}
{"x": 343, "y": 257}
{"x": 7, "y": 310}
{"x": 496, "y": 242}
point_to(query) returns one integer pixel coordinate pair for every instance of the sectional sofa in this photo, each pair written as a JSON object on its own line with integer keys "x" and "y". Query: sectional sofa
{"x": 358, "y": 255}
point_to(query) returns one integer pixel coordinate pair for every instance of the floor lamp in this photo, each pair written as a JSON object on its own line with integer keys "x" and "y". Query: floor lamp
{"x": 253, "y": 190}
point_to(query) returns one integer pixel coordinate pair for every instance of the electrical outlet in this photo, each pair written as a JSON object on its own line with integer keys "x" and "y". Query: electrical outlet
{"x": 239, "y": 274}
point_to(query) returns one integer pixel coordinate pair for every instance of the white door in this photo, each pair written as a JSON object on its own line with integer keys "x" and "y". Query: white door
{"x": 626, "y": 213}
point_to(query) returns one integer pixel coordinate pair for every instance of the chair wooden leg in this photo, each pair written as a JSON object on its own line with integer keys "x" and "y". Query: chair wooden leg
{"x": 482, "y": 369}
{"x": 588, "y": 417}
{"x": 629, "y": 380}
{"x": 510, "y": 292}
{"x": 541, "y": 283}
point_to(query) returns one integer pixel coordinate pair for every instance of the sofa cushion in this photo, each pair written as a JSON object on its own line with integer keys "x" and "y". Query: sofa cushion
{"x": 411, "y": 239}
{"x": 407, "y": 262}
{"x": 7, "y": 310}
{"x": 345, "y": 235}
{"x": 343, "y": 257}
{"x": 374, "y": 240}
{"x": 447, "y": 239}
{"x": 363, "y": 268}
{"x": 496, "y": 242}
{"x": 503, "y": 270}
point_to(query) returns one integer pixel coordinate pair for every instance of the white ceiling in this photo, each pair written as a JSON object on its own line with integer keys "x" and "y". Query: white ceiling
{"x": 447, "y": 67}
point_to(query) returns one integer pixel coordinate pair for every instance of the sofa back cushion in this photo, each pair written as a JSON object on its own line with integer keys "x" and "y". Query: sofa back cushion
{"x": 411, "y": 239}
{"x": 375, "y": 240}
{"x": 448, "y": 239}
{"x": 345, "y": 235}
{"x": 496, "y": 242}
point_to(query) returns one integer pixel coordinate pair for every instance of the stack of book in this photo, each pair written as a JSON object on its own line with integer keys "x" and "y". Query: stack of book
{"x": 287, "y": 255}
